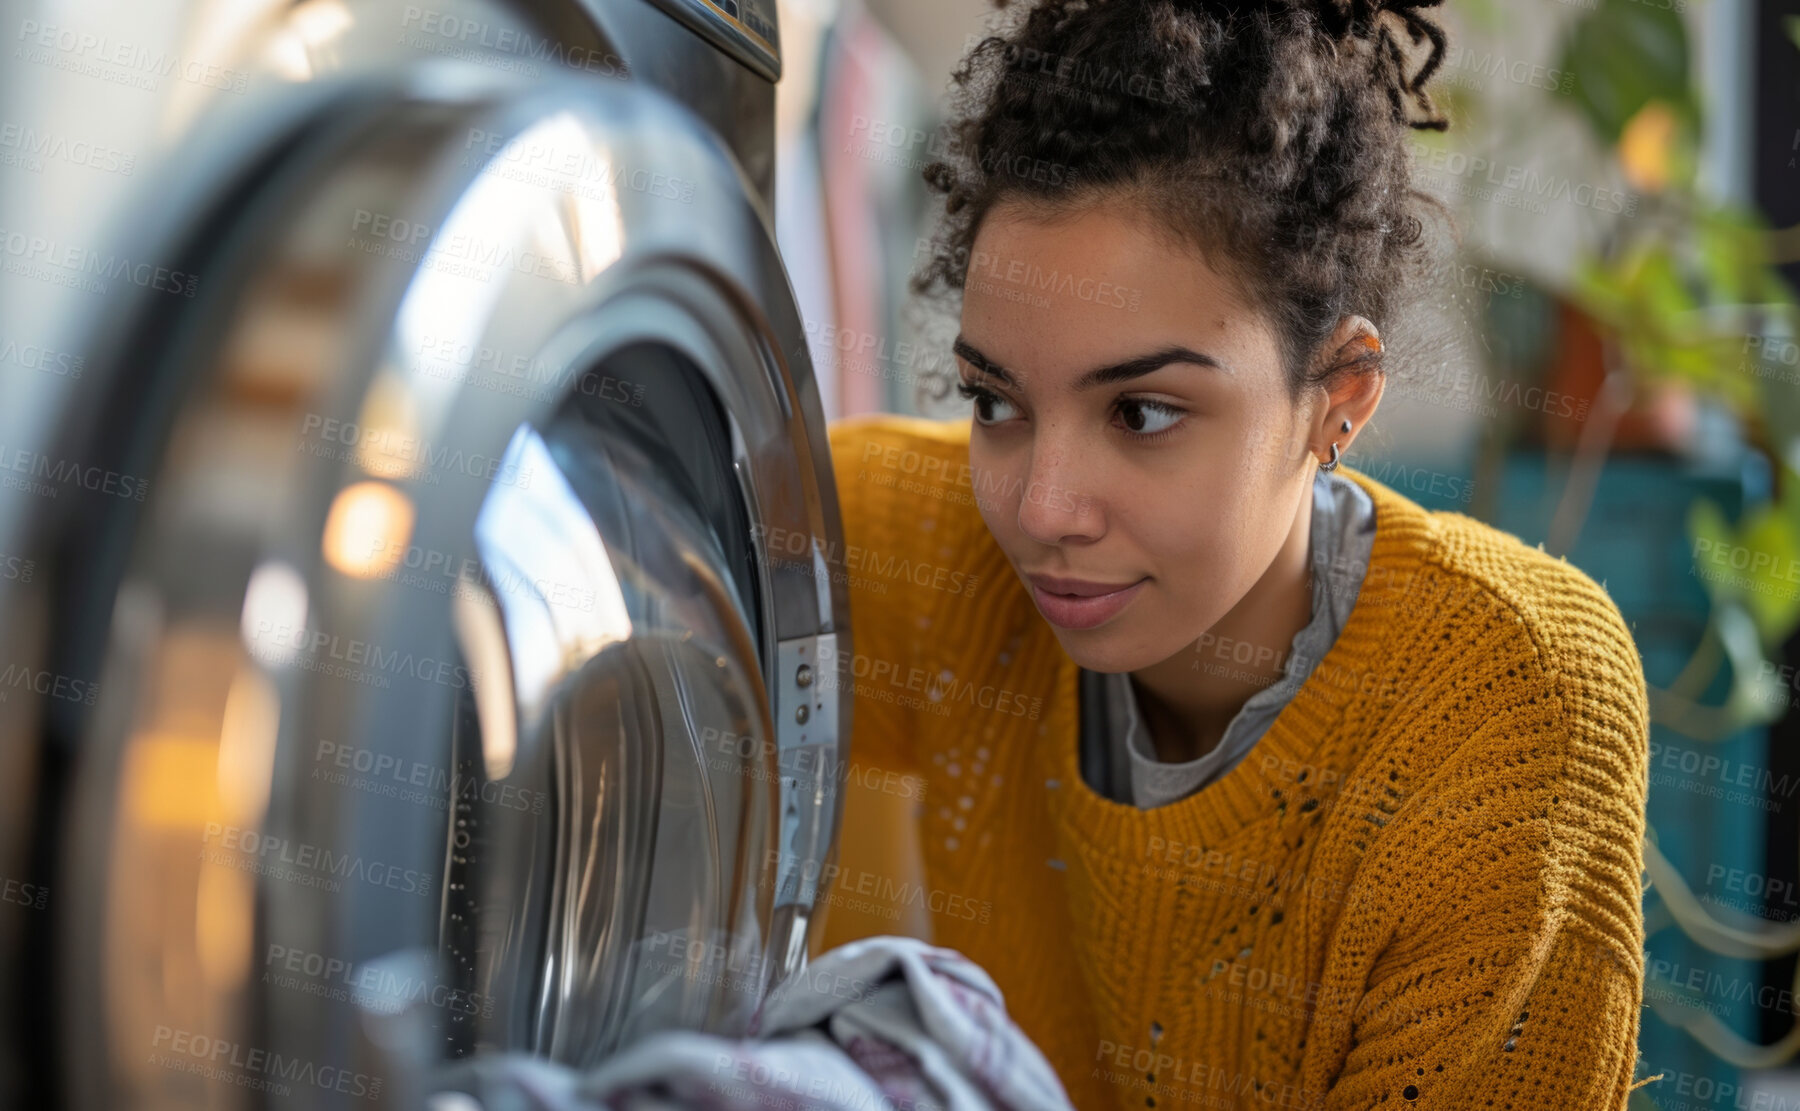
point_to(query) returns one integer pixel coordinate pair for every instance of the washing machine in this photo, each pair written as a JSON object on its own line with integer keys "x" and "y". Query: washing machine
{"x": 418, "y": 636}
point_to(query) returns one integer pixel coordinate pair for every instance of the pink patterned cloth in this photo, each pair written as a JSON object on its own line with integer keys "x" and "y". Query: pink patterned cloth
{"x": 881, "y": 1024}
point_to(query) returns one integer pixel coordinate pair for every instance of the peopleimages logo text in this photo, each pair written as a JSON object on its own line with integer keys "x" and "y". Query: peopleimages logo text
{"x": 81, "y": 260}
{"x": 33, "y": 465}
{"x": 254, "y": 1063}
{"x": 274, "y": 851}
{"x": 319, "y": 644}
{"x": 370, "y": 985}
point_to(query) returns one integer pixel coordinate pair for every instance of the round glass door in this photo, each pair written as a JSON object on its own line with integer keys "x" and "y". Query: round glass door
{"x": 620, "y": 892}
{"x": 444, "y": 701}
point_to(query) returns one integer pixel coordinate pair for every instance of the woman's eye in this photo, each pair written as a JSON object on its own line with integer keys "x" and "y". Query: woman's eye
{"x": 986, "y": 401}
{"x": 1148, "y": 418}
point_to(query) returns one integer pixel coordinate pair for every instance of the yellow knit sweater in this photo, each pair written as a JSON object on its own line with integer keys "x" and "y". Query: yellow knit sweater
{"x": 1419, "y": 889}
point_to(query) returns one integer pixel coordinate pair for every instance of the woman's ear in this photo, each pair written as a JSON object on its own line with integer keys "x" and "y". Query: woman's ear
{"x": 1355, "y": 341}
{"x": 1354, "y": 393}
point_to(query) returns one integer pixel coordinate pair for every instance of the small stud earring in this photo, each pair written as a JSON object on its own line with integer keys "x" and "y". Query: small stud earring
{"x": 1332, "y": 465}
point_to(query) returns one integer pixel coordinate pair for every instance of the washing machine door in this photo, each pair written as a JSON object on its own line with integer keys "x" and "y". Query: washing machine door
{"x": 450, "y": 612}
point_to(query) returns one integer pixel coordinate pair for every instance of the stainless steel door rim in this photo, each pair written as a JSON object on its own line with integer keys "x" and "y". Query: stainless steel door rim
{"x": 511, "y": 381}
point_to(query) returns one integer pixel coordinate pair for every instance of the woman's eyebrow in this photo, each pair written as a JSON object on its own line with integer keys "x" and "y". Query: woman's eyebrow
{"x": 981, "y": 362}
{"x": 1135, "y": 367}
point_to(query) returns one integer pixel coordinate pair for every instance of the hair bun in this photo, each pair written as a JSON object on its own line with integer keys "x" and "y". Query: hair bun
{"x": 1372, "y": 21}
{"x": 1363, "y": 19}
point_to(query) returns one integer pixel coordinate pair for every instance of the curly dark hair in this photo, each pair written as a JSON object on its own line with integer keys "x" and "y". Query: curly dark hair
{"x": 1271, "y": 133}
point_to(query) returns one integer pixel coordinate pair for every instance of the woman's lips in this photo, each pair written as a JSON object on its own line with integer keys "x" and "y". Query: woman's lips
{"x": 1083, "y": 611}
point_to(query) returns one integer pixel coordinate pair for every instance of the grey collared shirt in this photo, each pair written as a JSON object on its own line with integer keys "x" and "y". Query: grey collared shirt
{"x": 1343, "y": 536}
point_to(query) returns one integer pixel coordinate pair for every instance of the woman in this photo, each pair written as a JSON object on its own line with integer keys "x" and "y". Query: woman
{"x": 1252, "y": 783}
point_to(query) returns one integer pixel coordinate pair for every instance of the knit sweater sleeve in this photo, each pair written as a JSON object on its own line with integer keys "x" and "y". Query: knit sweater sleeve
{"x": 880, "y": 522}
{"x": 883, "y": 790}
{"x": 1522, "y": 985}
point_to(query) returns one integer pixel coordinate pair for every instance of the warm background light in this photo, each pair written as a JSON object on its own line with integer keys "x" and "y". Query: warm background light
{"x": 367, "y": 529}
{"x": 1644, "y": 147}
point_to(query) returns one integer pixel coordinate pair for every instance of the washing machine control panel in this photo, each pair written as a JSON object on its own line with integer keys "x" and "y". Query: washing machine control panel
{"x": 746, "y": 29}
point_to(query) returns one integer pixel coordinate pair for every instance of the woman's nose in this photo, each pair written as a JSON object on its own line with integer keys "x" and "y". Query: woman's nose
{"x": 1051, "y": 509}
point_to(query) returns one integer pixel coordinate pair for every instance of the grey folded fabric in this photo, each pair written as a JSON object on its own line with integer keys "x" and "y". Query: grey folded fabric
{"x": 881, "y": 1024}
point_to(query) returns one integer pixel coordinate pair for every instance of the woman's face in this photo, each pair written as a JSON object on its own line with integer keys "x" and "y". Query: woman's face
{"x": 1132, "y": 426}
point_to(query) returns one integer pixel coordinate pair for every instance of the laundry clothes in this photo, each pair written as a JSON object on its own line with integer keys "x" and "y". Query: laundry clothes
{"x": 881, "y": 1024}
{"x": 1421, "y": 887}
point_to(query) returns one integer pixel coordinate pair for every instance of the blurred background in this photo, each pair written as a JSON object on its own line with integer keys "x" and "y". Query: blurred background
{"x": 1607, "y": 366}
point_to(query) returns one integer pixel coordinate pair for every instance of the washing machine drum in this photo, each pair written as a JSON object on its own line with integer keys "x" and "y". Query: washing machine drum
{"x": 457, "y": 631}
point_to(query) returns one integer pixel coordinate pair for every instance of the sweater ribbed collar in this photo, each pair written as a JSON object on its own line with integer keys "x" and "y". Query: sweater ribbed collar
{"x": 1356, "y": 664}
